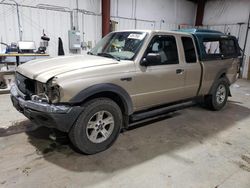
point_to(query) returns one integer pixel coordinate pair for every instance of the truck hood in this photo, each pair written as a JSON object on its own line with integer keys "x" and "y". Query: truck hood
{"x": 43, "y": 70}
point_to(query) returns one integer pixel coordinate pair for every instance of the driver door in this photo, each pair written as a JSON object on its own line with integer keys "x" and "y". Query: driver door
{"x": 162, "y": 81}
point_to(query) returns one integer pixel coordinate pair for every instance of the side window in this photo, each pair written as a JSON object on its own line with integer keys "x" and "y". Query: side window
{"x": 218, "y": 48}
{"x": 189, "y": 49}
{"x": 166, "y": 47}
{"x": 212, "y": 47}
{"x": 228, "y": 48}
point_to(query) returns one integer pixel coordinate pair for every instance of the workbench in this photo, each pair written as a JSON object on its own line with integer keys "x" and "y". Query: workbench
{"x": 18, "y": 55}
{"x": 8, "y": 75}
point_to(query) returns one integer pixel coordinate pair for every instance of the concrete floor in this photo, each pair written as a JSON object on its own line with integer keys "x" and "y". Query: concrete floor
{"x": 190, "y": 148}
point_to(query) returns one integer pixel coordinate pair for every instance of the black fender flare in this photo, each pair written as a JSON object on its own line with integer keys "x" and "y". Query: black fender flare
{"x": 105, "y": 87}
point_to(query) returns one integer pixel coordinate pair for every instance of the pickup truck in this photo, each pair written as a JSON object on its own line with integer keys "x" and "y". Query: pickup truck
{"x": 128, "y": 76}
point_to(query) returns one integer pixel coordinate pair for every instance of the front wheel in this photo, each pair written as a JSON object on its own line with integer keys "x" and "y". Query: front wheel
{"x": 97, "y": 127}
{"x": 219, "y": 95}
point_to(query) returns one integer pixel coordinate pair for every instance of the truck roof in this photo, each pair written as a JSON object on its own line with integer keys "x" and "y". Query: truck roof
{"x": 191, "y": 31}
{"x": 155, "y": 31}
{"x": 200, "y": 31}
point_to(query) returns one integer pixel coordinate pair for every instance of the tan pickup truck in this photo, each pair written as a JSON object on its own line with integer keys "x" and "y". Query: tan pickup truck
{"x": 128, "y": 76}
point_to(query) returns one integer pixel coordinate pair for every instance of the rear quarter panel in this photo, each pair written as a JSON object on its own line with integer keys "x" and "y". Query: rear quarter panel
{"x": 213, "y": 69}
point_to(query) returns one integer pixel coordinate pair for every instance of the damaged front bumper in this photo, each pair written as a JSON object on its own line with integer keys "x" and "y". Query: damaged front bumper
{"x": 61, "y": 117}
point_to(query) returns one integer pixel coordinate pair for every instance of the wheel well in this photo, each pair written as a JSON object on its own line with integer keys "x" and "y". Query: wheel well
{"x": 223, "y": 75}
{"x": 111, "y": 95}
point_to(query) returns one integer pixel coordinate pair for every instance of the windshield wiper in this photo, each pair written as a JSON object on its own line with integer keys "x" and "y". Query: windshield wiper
{"x": 90, "y": 53}
{"x": 108, "y": 55}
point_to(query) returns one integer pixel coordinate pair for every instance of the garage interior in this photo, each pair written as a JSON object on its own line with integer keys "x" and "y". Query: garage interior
{"x": 192, "y": 147}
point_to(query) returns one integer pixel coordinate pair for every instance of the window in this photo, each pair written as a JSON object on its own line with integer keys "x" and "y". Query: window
{"x": 220, "y": 48}
{"x": 166, "y": 47}
{"x": 189, "y": 49}
{"x": 122, "y": 45}
{"x": 212, "y": 47}
{"x": 228, "y": 48}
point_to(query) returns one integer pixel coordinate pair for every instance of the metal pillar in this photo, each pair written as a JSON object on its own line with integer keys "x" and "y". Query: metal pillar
{"x": 200, "y": 12}
{"x": 76, "y": 16}
{"x": 105, "y": 17}
{"x": 19, "y": 23}
{"x": 245, "y": 44}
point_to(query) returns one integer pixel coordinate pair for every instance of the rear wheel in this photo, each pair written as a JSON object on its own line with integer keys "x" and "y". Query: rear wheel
{"x": 218, "y": 98}
{"x": 97, "y": 127}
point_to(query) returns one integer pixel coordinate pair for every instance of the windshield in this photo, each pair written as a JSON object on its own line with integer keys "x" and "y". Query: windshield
{"x": 119, "y": 45}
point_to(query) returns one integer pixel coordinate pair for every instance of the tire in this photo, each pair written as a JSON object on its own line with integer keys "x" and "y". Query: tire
{"x": 97, "y": 127}
{"x": 218, "y": 98}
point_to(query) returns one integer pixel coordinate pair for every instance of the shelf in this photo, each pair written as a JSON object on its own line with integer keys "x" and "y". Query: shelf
{"x": 7, "y": 71}
{"x": 5, "y": 91}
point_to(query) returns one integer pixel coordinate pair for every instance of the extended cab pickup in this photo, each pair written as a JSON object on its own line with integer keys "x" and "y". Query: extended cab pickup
{"x": 128, "y": 76}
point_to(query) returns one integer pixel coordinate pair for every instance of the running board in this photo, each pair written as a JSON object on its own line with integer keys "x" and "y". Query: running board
{"x": 161, "y": 111}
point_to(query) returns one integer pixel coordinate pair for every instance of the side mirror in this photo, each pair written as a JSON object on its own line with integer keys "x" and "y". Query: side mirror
{"x": 151, "y": 59}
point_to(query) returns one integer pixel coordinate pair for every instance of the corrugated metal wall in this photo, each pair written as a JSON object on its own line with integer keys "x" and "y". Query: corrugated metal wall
{"x": 160, "y": 14}
{"x": 130, "y": 14}
{"x": 90, "y": 27}
{"x": 54, "y": 23}
{"x": 57, "y": 23}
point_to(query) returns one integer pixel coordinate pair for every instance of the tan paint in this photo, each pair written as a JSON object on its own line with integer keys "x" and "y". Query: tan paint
{"x": 150, "y": 86}
{"x": 211, "y": 69}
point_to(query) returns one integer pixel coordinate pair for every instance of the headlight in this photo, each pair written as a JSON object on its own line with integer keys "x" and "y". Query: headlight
{"x": 54, "y": 94}
{"x": 40, "y": 88}
{"x": 49, "y": 92}
{"x": 53, "y": 91}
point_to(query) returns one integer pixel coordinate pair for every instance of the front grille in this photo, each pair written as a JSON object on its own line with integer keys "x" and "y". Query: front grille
{"x": 25, "y": 85}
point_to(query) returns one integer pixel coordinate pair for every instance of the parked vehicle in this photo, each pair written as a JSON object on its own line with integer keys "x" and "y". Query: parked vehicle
{"x": 126, "y": 77}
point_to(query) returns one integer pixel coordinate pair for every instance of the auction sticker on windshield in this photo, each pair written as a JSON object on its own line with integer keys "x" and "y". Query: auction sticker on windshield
{"x": 138, "y": 36}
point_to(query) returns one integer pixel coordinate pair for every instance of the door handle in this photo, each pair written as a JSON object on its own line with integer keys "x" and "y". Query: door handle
{"x": 126, "y": 79}
{"x": 179, "y": 71}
